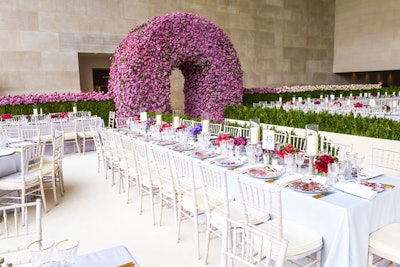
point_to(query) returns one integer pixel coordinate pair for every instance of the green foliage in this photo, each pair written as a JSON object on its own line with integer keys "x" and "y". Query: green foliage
{"x": 249, "y": 99}
{"x": 344, "y": 124}
{"x": 99, "y": 108}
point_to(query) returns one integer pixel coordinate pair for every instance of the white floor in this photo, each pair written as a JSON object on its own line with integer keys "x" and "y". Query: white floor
{"x": 93, "y": 212}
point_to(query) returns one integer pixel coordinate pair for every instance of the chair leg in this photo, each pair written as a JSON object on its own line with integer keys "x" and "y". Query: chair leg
{"x": 178, "y": 227}
{"x": 196, "y": 234}
{"x": 54, "y": 185}
{"x": 207, "y": 246}
{"x": 43, "y": 196}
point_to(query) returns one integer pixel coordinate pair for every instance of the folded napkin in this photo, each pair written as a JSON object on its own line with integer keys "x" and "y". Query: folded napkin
{"x": 357, "y": 190}
{"x": 369, "y": 173}
{"x": 286, "y": 180}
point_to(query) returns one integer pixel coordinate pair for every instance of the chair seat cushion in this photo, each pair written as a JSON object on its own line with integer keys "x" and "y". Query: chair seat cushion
{"x": 13, "y": 181}
{"x": 387, "y": 241}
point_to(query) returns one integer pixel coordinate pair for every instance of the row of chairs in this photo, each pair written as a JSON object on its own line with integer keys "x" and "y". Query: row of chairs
{"x": 172, "y": 178}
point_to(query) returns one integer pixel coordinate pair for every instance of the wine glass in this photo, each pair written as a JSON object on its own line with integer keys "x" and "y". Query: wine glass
{"x": 258, "y": 153}
{"x": 299, "y": 158}
{"x": 289, "y": 161}
{"x": 343, "y": 168}
{"x": 333, "y": 171}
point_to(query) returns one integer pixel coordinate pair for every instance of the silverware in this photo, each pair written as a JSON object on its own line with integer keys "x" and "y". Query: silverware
{"x": 388, "y": 186}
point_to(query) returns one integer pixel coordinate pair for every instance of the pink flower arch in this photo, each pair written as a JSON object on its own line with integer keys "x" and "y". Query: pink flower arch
{"x": 142, "y": 64}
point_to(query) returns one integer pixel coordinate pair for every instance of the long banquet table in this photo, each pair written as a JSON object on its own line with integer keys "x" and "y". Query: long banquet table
{"x": 344, "y": 221}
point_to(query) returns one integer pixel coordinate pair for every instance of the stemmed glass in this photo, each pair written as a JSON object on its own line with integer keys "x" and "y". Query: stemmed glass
{"x": 343, "y": 167}
{"x": 258, "y": 153}
{"x": 299, "y": 158}
{"x": 289, "y": 161}
{"x": 333, "y": 171}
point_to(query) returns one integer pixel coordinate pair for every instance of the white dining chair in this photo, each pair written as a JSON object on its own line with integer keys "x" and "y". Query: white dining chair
{"x": 30, "y": 134}
{"x": 188, "y": 123}
{"x": 305, "y": 244}
{"x": 98, "y": 148}
{"x": 298, "y": 141}
{"x": 233, "y": 130}
{"x": 131, "y": 169}
{"x": 168, "y": 195}
{"x": 384, "y": 246}
{"x": 111, "y": 119}
{"x": 386, "y": 159}
{"x": 69, "y": 129}
{"x": 21, "y": 225}
{"x": 84, "y": 133}
{"x": 281, "y": 137}
{"x": 215, "y": 128}
{"x": 335, "y": 149}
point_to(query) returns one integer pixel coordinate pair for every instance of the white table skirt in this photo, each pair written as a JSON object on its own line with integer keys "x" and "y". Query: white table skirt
{"x": 344, "y": 221}
{"x": 10, "y": 164}
{"x": 115, "y": 256}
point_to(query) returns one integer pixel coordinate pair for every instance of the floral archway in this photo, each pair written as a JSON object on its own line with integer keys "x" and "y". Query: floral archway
{"x": 143, "y": 62}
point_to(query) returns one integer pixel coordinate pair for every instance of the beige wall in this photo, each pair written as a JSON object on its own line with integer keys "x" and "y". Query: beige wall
{"x": 367, "y": 35}
{"x": 279, "y": 42}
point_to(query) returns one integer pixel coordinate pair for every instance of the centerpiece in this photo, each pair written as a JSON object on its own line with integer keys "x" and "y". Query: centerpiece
{"x": 322, "y": 161}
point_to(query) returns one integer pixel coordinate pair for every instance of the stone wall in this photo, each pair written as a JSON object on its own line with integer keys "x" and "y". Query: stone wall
{"x": 279, "y": 42}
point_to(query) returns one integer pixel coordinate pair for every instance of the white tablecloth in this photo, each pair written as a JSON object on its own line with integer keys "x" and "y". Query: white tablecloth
{"x": 111, "y": 257}
{"x": 344, "y": 221}
{"x": 10, "y": 164}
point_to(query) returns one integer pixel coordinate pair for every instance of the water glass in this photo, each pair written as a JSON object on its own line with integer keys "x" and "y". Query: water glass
{"x": 41, "y": 251}
{"x": 333, "y": 171}
{"x": 67, "y": 251}
{"x": 266, "y": 158}
{"x": 299, "y": 158}
{"x": 251, "y": 153}
{"x": 289, "y": 162}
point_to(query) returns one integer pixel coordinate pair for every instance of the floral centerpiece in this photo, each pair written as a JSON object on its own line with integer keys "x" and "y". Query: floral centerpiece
{"x": 240, "y": 141}
{"x": 196, "y": 130}
{"x": 165, "y": 126}
{"x": 149, "y": 123}
{"x": 6, "y": 116}
{"x": 321, "y": 163}
{"x": 358, "y": 105}
{"x": 180, "y": 128}
{"x": 337, "y": 103}
{"x": 386, "y": 108}
{"x": 286, "y": 149}
{"x": 221, "y": 137}
{"x": 317, "y": 102}
{"x": 64, "y": 115}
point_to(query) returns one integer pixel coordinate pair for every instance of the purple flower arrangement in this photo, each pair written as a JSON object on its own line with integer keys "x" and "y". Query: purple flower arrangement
{"x": 149, "y": 122}
{"x": 239, "y": 141}
{"x": 196, "y": 130}
{"x": 142, "y": 64}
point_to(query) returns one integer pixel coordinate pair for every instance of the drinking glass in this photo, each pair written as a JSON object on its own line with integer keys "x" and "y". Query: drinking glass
{"x": 67, "y": 251}
{"x": 266, "y": 158}
{"x": 41, "y": 251}
{"x": 229, "y": 147}
{"x": 250, "y": 151}
{"x": 223, "y": 147}
{"x": 299, "y": 158}
{"x": 343, "y": 170}
{"x": 258, "y": 153}
{"x": 333, "y": 171}
{"x": 289, "y": 162}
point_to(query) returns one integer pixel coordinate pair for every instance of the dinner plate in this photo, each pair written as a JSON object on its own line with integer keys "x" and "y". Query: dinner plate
{"x": 182, "y": 147}
{"x": 165, "y": 142}
{"x": 367, "y": 173}
{"x": 228, "y": 162}
{"x": 6, "y": 152}
{"x": 20, "y": 144}
{"x": 309, "y": 187}
{"x": 264, "y": 173}
{"x": 202, "y": 154}
{"x": 377, "y": 187}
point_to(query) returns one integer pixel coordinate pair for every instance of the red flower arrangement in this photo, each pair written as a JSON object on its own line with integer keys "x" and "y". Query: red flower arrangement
{"x": 165, "y": 126}
{"x": 358, "y": 105}
{"x": 180, "y": 128}
{"x": 322, "y": 161}
{"x": 6, "y": 116}
{"x": 63, "y": 115}
{"x": 221, "y": 137}
{"x": 337, "y": 103}
{"x": 288, "y": 149}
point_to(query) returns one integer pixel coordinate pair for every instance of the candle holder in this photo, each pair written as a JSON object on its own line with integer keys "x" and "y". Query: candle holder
{"x": 205, "y": 122}
{"x": 311, "y": 145}
{"x": 143, "y": 114}
{"x": 35, "y": 110}
{"x": 158, "y": 118}
{"x": 254, "y": 131}
{"x": 74, "y": 108}
{"x": 176, "y": 118}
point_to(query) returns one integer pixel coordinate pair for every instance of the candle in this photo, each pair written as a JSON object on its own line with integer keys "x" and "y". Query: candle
{"x": 280, "y": 99}
{"x": 351, "y": 94}
{"x": 332, "y": 97}
{"x": 394, "y": 103}
{"x": 35, "y": 112}
{"x": 254, "y": 135}
{"x": 348, "y": 102}
{"x": 321, "y": 96}
{"x": 372, "y": 103}
{"x": 300, "y": 99}
{"x": 294, "y": 99}
{"x": 365, "y": 95}
{"x": 143, "y": 116}
{"x": 360, "y": 94}
{"x": 312, "y": 145}
{"x": 74, "y": 109}
{"x": 176, "y": 122}
{"x": 205, "y": 125}
{"x": 308, "y": 99}
{"x": 385, "y": 93}
{"x": 41, "y": 111}
{"x": 341, "y": 96}
{"x": 158, "y": 119}
{"x": 326, "y": 100}
{"x": 378, "y": 94}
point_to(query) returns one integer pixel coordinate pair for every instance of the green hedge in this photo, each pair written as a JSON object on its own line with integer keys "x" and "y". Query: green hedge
{"x": 344, "y": 124}
{"x": 249, "y": 99}
{"x": 99, "y": 108}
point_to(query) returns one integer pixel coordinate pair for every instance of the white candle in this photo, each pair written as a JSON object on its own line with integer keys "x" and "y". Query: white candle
{"x": 332, "y": 97}
{"x": 394, "y": 103}
{"x": 41, "y": 111}
{"x": 321, "y": 96}
{"x": 378, "y": 94}
{"x": 143, "y": 116}
{"x": 254, "y": 135}
{"x": 74, "y": 109}
{"x": 300, "y": 99}
{"x": 35, "y": 112}
{"x": 372, "y": 103}
{"x": 312, "y": 145}
{"x": 385, "y": 93}
{"x": 360, "y": 95}
{"x": 205, "y": 125}
{"x": 351, "y": 94}
{"x": 326, "y": 100}
{"x": 365, "y": 95}
{"x": 158, "y": 119}
{"x": 280, "y": 99}
{"x": 175, "y": 122}
{"x": 348, "y": 102}
{"x": 294, "y": 99}
{"x": 308, "y": 99}
{"x": 341, "y": 96}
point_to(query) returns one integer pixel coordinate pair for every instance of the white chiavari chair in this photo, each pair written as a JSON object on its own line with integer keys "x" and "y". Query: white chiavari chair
{"x": 30, "y": 134}
{"x": 305, "y": 244}
{"x": 121, "y": 123}
{"x": 215, "y": 128}
{"x": 188, "y": 123}
{"x": 384, "y": 246}
{"x": 69, "y": 129}
{"x": 111, "y": 119}
{"x": 190, "y": 197}
{"x": 233, "y": 130}
{"x": 246, "y": 132}
{"x": 298, "y": 141}
{"x": 385, "y": 159}
{"x": 281, "y": 137}
{"x": 99, "y": 148}
{"x": 85, "y": 134}
{"x": 46, "y": 131}
{"x": 335, "y": 149}
{"x": 110, "y": 161}
{"x": 18, "y": 230}
{"x": 131, "y": 175}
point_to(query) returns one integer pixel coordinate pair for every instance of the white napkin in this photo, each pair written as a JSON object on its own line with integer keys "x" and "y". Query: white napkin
{"x": 285, "y": 180}
{"x": 369, "y": 173}
{"x": 356, "y": 189}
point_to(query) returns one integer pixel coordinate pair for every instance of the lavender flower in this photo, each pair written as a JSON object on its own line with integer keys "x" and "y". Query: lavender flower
{"x": 240, "y": 140}
{"x": 196, "y": 130}
{"x": 150, "y": 122}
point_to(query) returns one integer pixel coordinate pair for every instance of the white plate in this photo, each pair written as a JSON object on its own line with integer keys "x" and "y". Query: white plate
{"x": 182, "y": 147}
{"x": 202, "y": 154}
{"x": 228, "y": 162}
{"x": 309, "y": 187}
{"x": 264, "y": 173}
{"x": 6, "y": 152}
{"x": 369, "y": 173}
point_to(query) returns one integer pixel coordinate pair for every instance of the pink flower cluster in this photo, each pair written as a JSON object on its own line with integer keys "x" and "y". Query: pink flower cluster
{"x": 54, "y": 97}
{"x": 288, "y": 149}
{"x": 6, "y": 116}
{"x": 321, "y": 163}
{"x": 358, "y": 105}
{"x": 142, "y": 64}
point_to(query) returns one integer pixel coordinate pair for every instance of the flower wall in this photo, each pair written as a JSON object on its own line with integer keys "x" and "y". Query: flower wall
{"x": 143, "y": 62}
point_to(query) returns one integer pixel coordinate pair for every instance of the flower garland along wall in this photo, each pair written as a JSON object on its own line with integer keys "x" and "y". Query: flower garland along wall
{"x": 143, "y": 62}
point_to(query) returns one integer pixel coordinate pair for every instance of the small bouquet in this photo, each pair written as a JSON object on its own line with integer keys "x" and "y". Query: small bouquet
{"x": 321, "y": 163}
{"x": 196, "y": 130}
{"x": 221, "y": 137}
{"x": 386, "y": 108}
{"x": 337, "y": 103}
{"x": 180, "y": 128}
{"x": 150, "y": 122}
{"x": 64, "y": 115}
{"x": 317, "y": 102}
{"x": 6, "y": 116}
{"x": 240, "y": 141}
{"x": 165, "y": 126}
{"x": 288, "y": 149}
{"x": 358, "y": 105}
